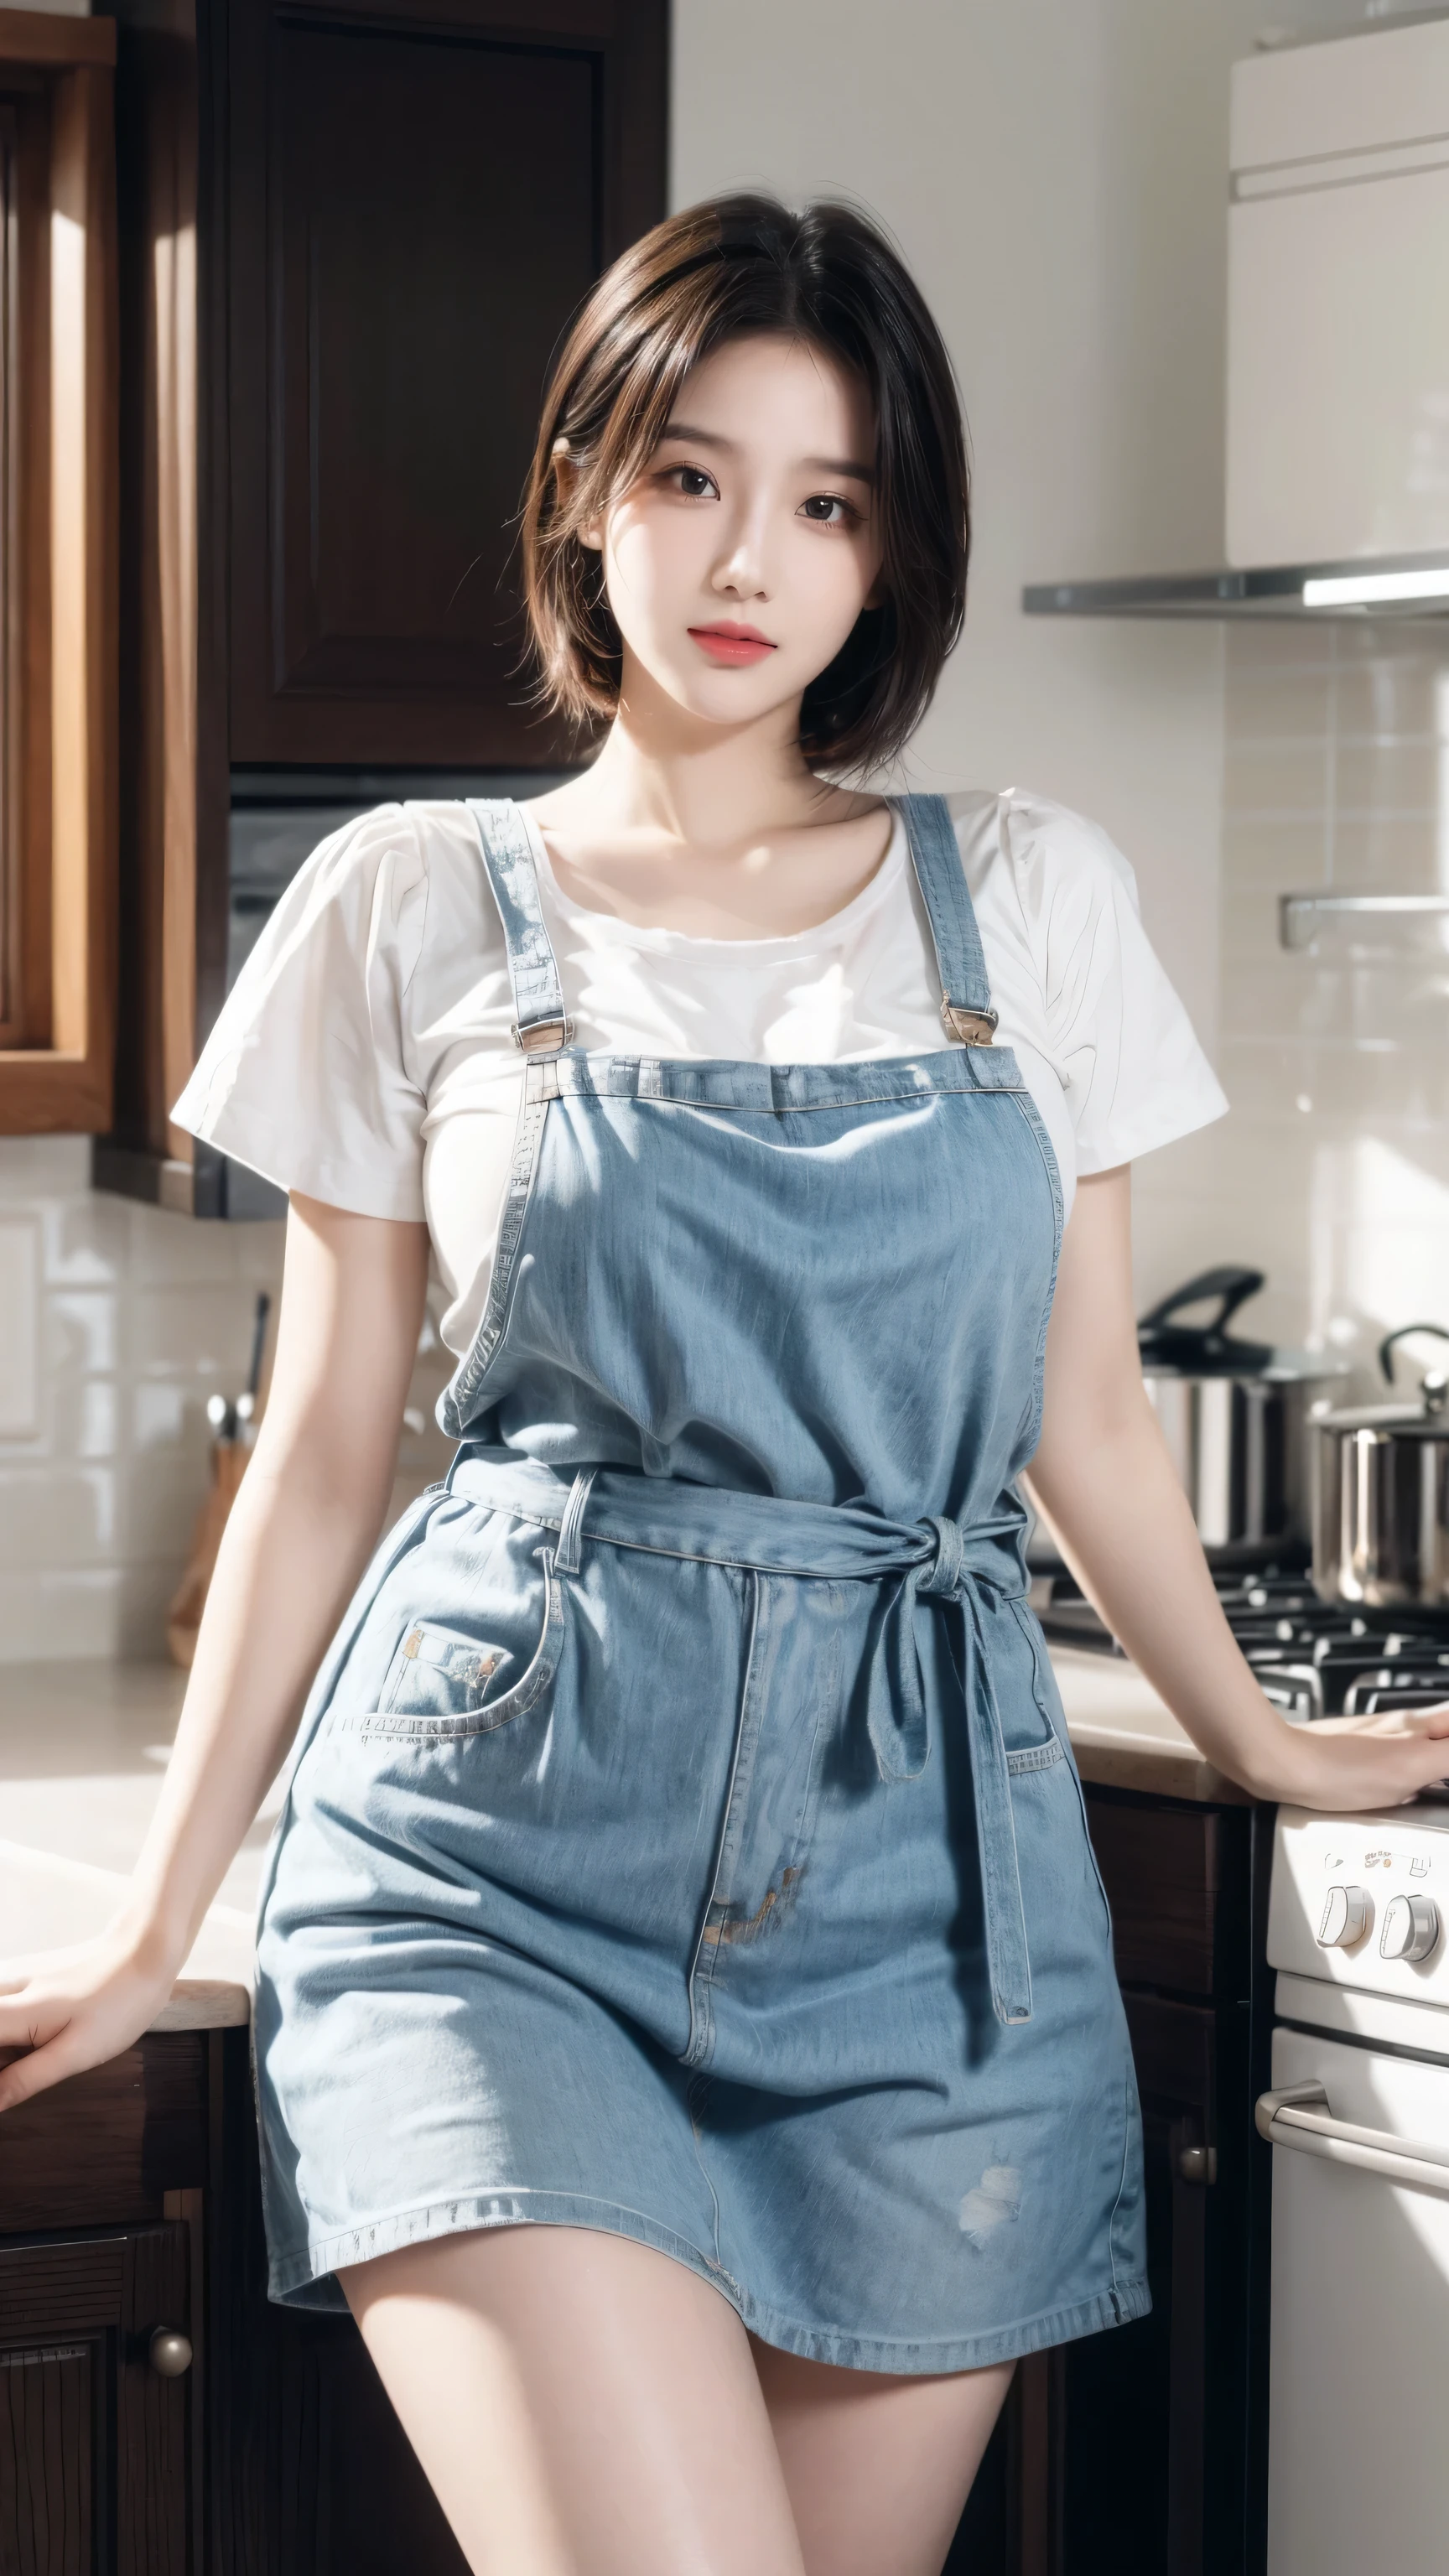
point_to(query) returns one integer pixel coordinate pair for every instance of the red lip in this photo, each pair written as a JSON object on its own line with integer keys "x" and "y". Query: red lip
{"x": 727, "y": 642}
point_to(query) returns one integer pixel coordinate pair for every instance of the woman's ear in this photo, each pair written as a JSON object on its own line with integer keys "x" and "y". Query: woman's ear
{"x": 566, "y": 471}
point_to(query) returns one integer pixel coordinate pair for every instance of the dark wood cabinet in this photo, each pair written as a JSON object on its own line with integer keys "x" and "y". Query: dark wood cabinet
{"x": 415, "y": 209}
{"x": 95, "y": 2449}
{"x": 101, "y": 2196}
{"x": 130, "y": 2213}
{"x": 1142, "y": 2448}
{"x": 326, "y": 423}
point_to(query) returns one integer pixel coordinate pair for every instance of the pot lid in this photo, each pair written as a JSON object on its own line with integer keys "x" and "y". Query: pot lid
{"x": 1428, "y": 1419}
{"x": 1388, "y": 1421}
{"x": 1170, "y": 1348}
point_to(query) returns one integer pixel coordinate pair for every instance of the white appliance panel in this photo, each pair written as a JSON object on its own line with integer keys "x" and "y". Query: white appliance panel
{"x": 1358, "y": 2446}
{"x": 1422, "y": 2028}
{"x": 1401, "y": 1854}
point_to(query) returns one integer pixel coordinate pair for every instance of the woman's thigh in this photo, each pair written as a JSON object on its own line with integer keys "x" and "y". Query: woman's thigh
{"x": 878, "y": 2466}
{"x": 582, "y": 2405}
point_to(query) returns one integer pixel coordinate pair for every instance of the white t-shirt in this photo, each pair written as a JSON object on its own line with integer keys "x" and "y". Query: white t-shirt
{"x": 365, "y": 1057}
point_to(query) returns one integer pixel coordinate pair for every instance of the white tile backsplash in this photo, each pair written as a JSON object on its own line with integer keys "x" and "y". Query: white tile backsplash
{"x": 117, "y": 1321}
{"x": 19, "y": 1327}
{"x": 1331, "y": 1172}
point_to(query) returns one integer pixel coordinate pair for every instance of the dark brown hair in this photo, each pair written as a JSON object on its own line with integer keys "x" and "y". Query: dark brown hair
{"x": 735, "y": 267}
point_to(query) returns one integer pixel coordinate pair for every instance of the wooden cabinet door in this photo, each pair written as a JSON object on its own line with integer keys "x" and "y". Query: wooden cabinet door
{"x": 419, "y": 197}
{"x": 1133, "y": 2449}
{"x": 93, "y": 2439}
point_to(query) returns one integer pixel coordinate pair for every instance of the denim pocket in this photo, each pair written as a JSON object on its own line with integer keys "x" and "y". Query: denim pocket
{"x": 438, "y": 1673}
{"x": 443, "y": 1683}
{"x": 1049, "y": 1701}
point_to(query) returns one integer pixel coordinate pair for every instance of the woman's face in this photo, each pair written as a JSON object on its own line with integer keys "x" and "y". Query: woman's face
{"x": 739, "y": 562}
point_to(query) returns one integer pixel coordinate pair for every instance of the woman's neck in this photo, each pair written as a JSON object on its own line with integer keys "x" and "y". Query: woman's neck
{"x": 662, "y": 777}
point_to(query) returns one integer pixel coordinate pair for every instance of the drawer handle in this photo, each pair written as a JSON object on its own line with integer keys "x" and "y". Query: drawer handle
{"x": 1297, "y": 2116}
{"x": 169, "y": 2352}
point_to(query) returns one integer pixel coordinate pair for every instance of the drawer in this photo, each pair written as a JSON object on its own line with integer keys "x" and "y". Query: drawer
{"x": 1160, "y": 1867}
{"x": 104, "y": 2148}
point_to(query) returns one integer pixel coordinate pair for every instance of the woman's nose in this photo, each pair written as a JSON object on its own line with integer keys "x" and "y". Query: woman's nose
{"x": 740, "y": 570}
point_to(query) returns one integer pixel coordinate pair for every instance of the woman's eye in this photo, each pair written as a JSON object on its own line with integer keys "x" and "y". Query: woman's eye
{"x": 693, "y": 482}
{"x": 828, "y": 510}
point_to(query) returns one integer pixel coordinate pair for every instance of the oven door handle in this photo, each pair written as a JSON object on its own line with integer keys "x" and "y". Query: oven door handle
{"x": 1297, "y": 2116}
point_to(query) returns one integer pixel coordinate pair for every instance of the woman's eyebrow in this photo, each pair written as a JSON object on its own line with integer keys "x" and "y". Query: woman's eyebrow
{"x": 812, "y": 464}
{"x": 839, "y": 465}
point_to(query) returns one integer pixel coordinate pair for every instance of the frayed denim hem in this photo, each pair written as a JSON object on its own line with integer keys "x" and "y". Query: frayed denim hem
{"x": 308, "y": 2280}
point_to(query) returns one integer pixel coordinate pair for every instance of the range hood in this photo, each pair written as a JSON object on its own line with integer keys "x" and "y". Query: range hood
{"x": 1361, "y": 586}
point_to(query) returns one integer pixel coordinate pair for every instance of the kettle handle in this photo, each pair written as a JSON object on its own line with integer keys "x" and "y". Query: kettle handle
{"x": 1230, "y": 1282}
{"x": 1440, "y": 1332}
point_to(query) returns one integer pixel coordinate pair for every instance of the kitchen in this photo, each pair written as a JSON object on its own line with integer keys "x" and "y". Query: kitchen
{"x": 1060, "y": 178}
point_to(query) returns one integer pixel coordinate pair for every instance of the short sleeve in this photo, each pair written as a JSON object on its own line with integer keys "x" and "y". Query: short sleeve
{"x": 304, "y": 1077}
{"x": 1122, "y": 1044}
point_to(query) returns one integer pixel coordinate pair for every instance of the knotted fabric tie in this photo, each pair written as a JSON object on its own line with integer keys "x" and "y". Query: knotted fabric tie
{"x": 900, "y": 1734}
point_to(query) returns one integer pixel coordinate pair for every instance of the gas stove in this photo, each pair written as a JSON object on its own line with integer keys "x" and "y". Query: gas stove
{"x": 1312, "y": 1660}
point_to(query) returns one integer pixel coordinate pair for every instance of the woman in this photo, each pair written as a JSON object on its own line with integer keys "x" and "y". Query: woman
{"x": 686, "y": 2032}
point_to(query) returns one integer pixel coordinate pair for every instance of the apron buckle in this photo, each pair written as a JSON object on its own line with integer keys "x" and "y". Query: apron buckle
{"x": 969, "y": 1028}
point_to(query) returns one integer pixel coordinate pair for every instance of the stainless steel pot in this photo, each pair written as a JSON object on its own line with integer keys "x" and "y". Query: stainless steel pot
{"x": 1234, "y": 1414}
{"x": 1381, "y": 1495}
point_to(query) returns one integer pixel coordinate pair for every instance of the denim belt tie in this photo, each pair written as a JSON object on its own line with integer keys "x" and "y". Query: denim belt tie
{"x": 939, "y": 1564}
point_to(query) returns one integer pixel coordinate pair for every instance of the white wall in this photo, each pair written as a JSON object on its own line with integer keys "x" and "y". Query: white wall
{"x": 1332, "y": 1171}
{"x": 1055, "y": 172}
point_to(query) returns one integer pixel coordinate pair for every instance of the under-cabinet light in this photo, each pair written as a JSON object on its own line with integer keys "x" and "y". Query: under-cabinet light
{"x": 1377, "y": 589}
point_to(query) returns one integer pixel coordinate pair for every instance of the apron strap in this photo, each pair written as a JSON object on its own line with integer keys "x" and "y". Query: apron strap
{"x": 540, "y": 1023}
{"x": 966, "y": 1012}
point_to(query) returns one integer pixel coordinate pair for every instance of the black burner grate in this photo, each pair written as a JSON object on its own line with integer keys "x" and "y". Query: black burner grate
{"x": 1313, "y": 1659}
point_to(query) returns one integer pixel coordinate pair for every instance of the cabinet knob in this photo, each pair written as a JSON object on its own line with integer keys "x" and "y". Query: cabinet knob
{"x": 169, "y": 2352}
{"x": 1198, "y": 2164}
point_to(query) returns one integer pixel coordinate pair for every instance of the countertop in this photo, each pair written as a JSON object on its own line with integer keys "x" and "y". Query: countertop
{"x": 82, "y": 1750}
{"x": 83, "y": 1747}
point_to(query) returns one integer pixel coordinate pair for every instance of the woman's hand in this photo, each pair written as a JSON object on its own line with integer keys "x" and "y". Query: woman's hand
{"x": 1105, "y": 1484}
{"x": 74, "y": 2008}
{"x": 1359, "y": 1762}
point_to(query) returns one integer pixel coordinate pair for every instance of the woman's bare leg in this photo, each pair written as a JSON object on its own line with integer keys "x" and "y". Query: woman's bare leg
{"x": 582, "y": 2406}
{"x": 878, "y": 2467}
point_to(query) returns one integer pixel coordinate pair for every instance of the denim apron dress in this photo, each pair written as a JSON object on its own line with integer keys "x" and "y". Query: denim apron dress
{"x": 684, "y": 1839}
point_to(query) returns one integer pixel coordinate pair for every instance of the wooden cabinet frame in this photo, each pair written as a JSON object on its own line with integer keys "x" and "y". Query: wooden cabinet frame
{"x": 61, "y": 513}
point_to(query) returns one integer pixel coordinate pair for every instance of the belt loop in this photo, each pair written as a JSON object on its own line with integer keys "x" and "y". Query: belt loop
{"x": 571, "y": 1527}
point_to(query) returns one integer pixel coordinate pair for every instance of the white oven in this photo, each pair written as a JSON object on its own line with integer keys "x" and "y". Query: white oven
{"x": 1358, "y": 2116}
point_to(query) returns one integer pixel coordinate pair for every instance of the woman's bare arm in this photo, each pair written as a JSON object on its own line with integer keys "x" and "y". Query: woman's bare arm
{"x": 1104, "y": 1483}
{"x": 305, "y": 1520}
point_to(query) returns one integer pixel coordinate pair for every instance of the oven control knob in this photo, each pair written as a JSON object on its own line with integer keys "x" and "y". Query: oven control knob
{"x": 1346, "y": 1917}
{"x": 1411, "y": 1928}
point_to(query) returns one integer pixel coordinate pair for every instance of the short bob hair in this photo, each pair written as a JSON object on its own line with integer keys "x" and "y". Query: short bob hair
{"x": 732, "y": 268}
